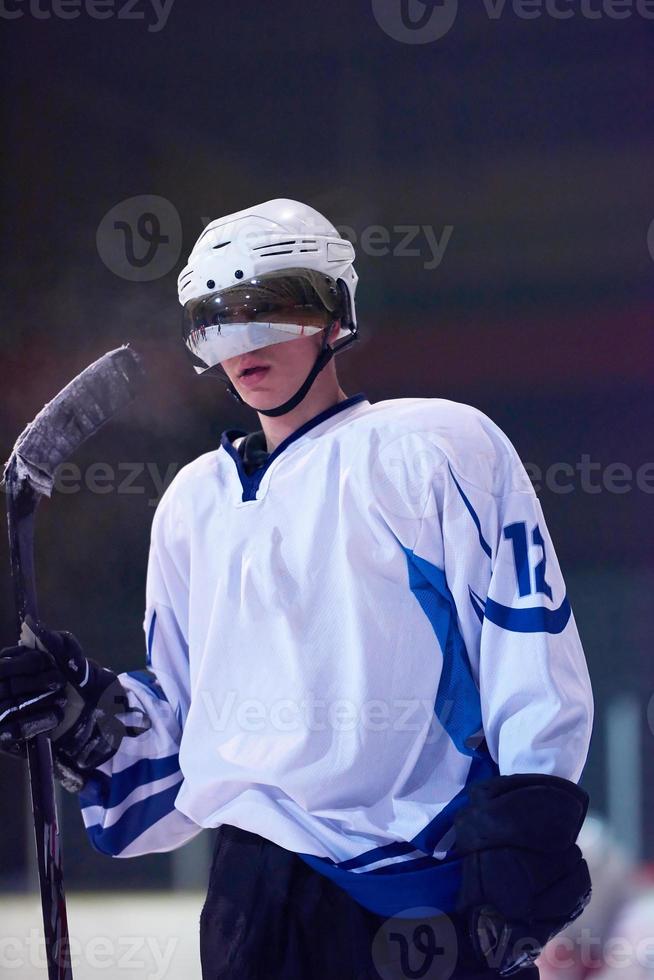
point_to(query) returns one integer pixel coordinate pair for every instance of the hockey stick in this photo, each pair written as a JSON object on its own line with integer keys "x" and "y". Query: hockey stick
{"x": 78, "y": 411}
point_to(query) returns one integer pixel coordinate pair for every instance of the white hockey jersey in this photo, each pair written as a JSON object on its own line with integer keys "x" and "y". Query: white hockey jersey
{"x": 341, "y": 642}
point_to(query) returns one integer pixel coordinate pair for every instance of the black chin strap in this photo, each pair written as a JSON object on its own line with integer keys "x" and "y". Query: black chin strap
{"x": 324, "y": 357}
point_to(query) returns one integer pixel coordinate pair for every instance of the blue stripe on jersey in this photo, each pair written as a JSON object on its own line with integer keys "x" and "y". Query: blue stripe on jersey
{"x": 377, "y": 854}
{"x": 481, "y": 767}
{"x": 458, "y": 705}
{"x": 148, "y": 655}
{"x": 477, "y": 604}
{"x": 482, "y": 540}
{"x": 423, "y": 881}
{"x": 390, "y": 892}
{"x": 536, "y": 619}
{"x": 149, "y": 680}
{"x": 406, "y": 867}
{"x": 137, "y": 819}
{"x": 108, "y": 791}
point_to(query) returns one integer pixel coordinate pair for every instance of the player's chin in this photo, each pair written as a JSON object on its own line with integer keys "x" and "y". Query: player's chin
{"x": 263, "y": 396}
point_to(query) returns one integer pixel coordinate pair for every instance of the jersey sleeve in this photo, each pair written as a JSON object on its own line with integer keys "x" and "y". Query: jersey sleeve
{"x": 484, "y": 545}
{"x": 128, "y": 803}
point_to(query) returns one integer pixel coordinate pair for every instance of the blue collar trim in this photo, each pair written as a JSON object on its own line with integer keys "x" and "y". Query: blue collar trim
{"x": 250, "y": 483}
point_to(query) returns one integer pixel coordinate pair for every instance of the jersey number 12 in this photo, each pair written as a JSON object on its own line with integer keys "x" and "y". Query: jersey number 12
{"x": 517, "y": 535}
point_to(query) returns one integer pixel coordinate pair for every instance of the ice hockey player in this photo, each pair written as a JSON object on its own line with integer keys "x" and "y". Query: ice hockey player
{"x": 362, "y": 665}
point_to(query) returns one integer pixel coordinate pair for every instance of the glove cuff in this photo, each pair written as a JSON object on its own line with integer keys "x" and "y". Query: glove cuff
{"x": 94, "y": 735}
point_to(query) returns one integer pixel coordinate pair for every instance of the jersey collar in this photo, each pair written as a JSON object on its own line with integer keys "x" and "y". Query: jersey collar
{"x": 250, "y": 483}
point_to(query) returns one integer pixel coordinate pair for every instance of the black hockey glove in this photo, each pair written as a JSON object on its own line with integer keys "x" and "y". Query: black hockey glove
{"x": 48, "y": 686}
{"x": 524, "y": 878}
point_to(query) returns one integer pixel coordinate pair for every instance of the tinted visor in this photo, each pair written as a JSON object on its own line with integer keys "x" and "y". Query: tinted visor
{"x": 293, "y": 296}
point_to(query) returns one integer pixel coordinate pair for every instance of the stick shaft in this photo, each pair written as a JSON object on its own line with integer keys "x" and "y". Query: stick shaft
{"x": 21, "y": 504}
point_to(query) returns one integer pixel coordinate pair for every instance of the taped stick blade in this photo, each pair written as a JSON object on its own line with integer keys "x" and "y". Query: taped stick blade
{"x": 79, "y": 410}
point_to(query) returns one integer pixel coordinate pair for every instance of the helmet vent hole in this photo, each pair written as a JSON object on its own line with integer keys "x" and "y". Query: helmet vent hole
{"x": 257, "y": 248}
{"x": 222, "y": 244}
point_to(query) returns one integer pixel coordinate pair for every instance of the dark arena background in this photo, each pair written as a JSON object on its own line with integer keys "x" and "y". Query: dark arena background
{"x": 493, "y": 168}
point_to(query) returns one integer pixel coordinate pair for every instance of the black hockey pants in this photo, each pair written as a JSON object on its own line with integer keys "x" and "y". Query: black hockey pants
{"x": 269, "y": 916}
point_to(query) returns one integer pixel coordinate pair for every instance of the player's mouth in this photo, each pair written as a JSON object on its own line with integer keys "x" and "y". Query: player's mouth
{"x": 251, "y": 376}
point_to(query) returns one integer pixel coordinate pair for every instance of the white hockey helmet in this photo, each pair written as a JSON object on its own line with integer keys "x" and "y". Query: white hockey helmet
{"x": 262, "y": 276}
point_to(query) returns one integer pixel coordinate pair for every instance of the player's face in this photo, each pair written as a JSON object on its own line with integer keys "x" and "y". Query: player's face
{"x": 282, "y": 369}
